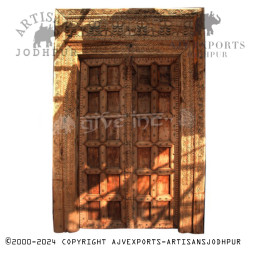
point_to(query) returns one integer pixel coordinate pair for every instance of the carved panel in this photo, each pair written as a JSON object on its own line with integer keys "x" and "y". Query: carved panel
{"x": 128, "y": 24}
{"x": 101, "y": 144}
{"x": 155, "y": 141}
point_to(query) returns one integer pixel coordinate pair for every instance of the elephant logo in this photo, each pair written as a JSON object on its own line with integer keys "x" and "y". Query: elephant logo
{"x": 210, "y": 20}
{"x": 64, "y": 124}
{"x": 44, "y": 34}
{"x": 187, "y": 119}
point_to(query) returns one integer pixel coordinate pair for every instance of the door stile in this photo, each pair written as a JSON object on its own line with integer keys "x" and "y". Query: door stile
{"x": 175, "y": 81}
{"x": 128, "y": 144}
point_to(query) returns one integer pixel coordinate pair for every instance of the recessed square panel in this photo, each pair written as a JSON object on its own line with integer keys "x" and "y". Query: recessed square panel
{"x": 94, "y": 76}
{"x": 92, "y": 129}
{"x": 143, "y": 184}
{"x": 93, "y": 102}
{"x": 144, "y": 157}
{"x": 164, "y": 102}
{"x": 113, "y": 156}
{"x": 163, "y": 210}
{"x": 163, "y": 185}
{"x": 143, "y": 210}
{"x": 144, "y": 102}
{"x": 113, "y": 75}
{"x": 93, "y": 181}
{"x": 113, "y": 102}
{"x": 113, "y": 128}
{"x": 164, "y": 75}
{"x": 144, "y": 75}
{"x": 113, "y": 183}
{"x": 93, "y": 157}
{"x": 143, "y": 129}
{"x": 164, "y": 129}
{"x": 94, "y": 210}
{"x": 163, "y": 157}
{"x": 114, "y": 210}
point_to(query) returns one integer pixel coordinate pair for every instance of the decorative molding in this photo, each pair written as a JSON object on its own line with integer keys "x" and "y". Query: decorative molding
{"x": 127, "y": 24}
{"x": 130, "y": 12}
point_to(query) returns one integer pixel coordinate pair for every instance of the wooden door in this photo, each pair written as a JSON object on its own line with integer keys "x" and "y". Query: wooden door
{"x": 155, "y": 141}
{"x": 128, "y": 145}
{"x": 101, "y": 144}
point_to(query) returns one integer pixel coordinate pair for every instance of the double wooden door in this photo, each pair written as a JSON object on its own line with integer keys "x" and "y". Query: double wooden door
{"x": 128, "y": 142}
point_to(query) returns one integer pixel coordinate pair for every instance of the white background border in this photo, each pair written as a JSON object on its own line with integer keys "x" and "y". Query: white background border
{"x": 26, "y": 137}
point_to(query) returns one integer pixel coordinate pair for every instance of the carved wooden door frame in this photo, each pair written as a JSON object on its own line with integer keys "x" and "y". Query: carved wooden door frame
{"x": 176, "y": 32}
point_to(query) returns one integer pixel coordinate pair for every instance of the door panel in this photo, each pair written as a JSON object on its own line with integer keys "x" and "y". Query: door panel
{"x": 154, "y": 142}
{"x": 101, "y": 144}
{"x": 128, "y": 144}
